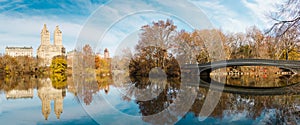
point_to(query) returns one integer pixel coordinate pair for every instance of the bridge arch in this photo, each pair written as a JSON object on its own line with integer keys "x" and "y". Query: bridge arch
{"x": 205, "y": 69}
{"x": 293, "y": 66}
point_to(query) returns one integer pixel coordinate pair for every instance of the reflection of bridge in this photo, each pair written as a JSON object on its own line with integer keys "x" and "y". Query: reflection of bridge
{"x": 205, "y": 81}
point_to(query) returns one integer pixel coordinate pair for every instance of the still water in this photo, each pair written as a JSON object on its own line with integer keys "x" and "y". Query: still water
{"x": 121, "y": 99}
{"x": 30, "y": 100}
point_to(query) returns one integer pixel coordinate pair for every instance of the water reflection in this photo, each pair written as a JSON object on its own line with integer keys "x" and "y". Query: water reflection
{"x": 47, "y": 93}
{"x": 168, "y": 94}
{"x": 170, "y": 103}
{"x": 104, "y": 83}
{"x": 244, "y": 109}
{"x": 27, "y": 99}
{"x": 231, "y": 108}
{"x": 22, "y": 87}
{"x": 249, "y": 76}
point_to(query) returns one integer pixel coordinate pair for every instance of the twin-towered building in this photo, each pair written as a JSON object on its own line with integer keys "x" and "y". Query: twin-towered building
{"x": 46, "y": 50}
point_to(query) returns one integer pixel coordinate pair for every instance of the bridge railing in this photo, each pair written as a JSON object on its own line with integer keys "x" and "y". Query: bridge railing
{"x": 285, "y": 63}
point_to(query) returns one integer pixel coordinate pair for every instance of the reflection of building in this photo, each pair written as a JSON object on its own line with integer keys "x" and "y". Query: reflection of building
{"x": 47, "y": 93}
{"x": 47, "y": 51}
{"x": 19, "y": 51}
{"x": 13, "y": 94}
{"x": 19, "y": 88}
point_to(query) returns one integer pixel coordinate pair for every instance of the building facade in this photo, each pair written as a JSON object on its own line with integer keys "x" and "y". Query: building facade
{"x": 19, "y": 51}
{"x": 46, "y": 50}
{"x": 106, "y": 54}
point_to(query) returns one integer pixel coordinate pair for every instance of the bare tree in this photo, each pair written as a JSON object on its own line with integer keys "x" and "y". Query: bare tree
{"x": 287, "y": 25}
{"x": 234, "y": 42}
{"x": 287, "y": 16}
{"x": 255, "y": 39}
{"x": 161, "y": 33}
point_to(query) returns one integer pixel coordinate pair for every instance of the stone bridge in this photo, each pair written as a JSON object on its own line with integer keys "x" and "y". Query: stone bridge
{"x": 203, "y": 70}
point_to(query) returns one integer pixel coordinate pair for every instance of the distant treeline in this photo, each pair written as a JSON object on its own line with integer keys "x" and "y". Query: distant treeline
{"x": 20, "y": 65}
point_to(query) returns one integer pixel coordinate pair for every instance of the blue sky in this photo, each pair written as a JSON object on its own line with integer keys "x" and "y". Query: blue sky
{"x": 22, "y": 20}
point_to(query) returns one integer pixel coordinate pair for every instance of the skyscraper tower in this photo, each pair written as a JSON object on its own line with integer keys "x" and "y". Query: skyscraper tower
{"x": 57, "y": 36}
{"x": 45, "y": 36}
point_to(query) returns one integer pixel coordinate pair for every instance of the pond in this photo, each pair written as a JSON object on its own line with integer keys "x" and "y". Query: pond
{"x": 120, "y": 99}
{"x": 31, "y": 100}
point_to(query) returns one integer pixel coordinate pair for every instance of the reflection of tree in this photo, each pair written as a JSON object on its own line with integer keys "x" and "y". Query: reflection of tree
{"x": 104, "y": 83}
{"x": 103, "y": 66}
{"x": 196, "y": 107}
{"x": 23, "y": 82}
{"x": 86, "y": 86}
{"x": 87, "y": 89}
{"x": 252, "y": 107}
{"x": 59, "y": 80}
{"x": 162, "y": 101}
{"x": 291, "y": 113}
{"x": 171, "y": 102}
{"x": 143, "y": 88}
{"x": 295, "y": 79}
{"x": 84, "y": 74}
{"x": 17, "y": 86}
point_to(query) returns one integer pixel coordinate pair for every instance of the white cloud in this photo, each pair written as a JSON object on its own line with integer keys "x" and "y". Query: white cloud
{"x": 237, "y": 17}
{"x": 11, "y": 5}
{"x": 222, "y": 16}
{"x": 260, "y": 9}
{"x": 119, "y": 19}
